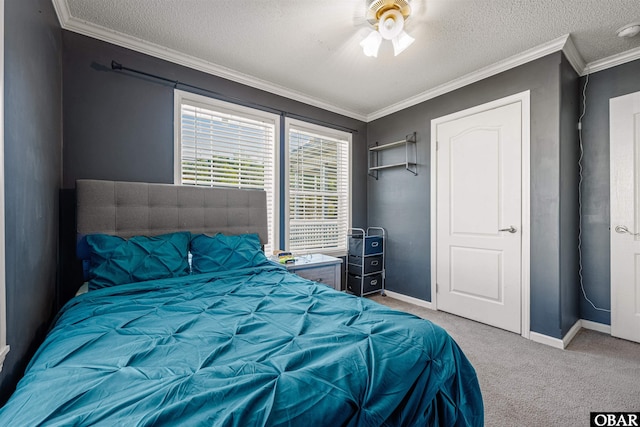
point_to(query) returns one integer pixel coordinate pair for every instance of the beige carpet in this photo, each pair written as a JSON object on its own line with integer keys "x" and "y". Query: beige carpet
{"x": 524, "y": 383}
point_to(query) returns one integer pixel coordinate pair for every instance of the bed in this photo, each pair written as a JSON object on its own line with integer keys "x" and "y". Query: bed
{"x": 188, "y": 323}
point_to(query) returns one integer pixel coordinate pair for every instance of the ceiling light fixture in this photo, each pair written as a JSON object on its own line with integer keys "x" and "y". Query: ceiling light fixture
{"x": 629, "y": 31}
{"x": 387, "y": 18}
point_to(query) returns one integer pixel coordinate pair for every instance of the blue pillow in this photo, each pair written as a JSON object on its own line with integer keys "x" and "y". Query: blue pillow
{"x": 116, "y": 261}
{"x": 211, "y": 254}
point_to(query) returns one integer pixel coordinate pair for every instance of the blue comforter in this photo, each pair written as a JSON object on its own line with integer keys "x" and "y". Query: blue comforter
{"x": 248, "y": 347}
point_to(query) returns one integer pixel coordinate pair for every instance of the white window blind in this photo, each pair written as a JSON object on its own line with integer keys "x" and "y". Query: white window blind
{"x": 223, "y": 146}
{"x": 318, "y": 189}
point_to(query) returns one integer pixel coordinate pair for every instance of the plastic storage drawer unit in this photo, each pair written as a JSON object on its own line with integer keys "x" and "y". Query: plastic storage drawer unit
{"x": 362, "y": 285}
{"x": 365, "y": 261}
{"x": 358, "y": 264}
{"x": 366, "y": 245}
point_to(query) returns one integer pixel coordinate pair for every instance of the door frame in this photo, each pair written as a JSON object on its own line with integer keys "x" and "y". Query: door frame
{"x": 525, "y": 282}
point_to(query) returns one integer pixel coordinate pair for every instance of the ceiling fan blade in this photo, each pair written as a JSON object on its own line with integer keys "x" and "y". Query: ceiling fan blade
{"x": 359, "y": 16}
{"x": 418, "y": 9}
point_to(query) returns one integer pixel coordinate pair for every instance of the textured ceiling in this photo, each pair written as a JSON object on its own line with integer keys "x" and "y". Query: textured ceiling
{"x": 309, "y": 49}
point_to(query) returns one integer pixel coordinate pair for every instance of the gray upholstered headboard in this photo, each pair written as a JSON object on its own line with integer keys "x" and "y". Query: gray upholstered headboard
{"x": 132, "y": 208}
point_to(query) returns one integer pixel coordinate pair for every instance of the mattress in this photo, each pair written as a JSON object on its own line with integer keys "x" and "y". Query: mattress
{"x": 247, "y": 347}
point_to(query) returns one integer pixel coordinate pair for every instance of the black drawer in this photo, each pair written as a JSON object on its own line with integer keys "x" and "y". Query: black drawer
{"x": 365, "y": 245}
{"x": 371, "y": 264}
{"x": 369, "y": 284}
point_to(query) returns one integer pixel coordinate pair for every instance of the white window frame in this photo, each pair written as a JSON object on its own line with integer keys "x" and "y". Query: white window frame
{"x": 330, "y": 133}
{"x": 181, "y": 97}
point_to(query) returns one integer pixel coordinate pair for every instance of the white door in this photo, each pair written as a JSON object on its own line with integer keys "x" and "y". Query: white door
{"x": 624, "y": 128}
{"x": 479, "y": 215}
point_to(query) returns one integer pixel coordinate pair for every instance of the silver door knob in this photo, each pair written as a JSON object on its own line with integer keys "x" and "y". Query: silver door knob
{"x": 621, "y": 229}
{"x": 511, "y": 229}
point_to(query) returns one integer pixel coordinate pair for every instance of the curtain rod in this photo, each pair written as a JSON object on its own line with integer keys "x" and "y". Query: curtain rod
{"x": 117, "y": 66}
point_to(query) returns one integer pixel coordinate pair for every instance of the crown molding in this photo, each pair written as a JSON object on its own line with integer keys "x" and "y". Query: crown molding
{"x": 62, "y": 10}
{"x": 563, "y": 43}
{"x": 612, "y": 61}
{"x": 483, "y": 73}
{"x": 573, "y": 56}
{"x": 79, "y": 26}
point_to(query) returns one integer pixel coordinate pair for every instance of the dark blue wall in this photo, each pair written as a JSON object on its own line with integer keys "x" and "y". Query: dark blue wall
{"x": 33, "y": 169}
{"x": 596, "y": 247}
{"x": 119, "y": 126}
{"x": 569, "y": 212}
{"x": 400, "y": 202}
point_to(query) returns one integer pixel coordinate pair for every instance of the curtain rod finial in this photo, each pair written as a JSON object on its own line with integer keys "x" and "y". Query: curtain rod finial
{"x": 115, "y": 65}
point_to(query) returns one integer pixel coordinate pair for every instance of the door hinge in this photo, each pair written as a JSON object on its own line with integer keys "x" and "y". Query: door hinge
{"x": 436, "y": 287}
{"x": 436, "y": 145}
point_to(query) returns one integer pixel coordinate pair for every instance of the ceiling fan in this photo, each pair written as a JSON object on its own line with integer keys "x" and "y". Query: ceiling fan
{"x": 387, "y": 19}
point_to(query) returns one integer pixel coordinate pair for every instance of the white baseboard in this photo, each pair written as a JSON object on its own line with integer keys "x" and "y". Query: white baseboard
{"x": 564, "y": 342}
{"x": 533, "y": 336}
{"x": 572, "y": 333}
{"x": 412, "y": 300}
{"x": 546, "y": 340}
{"x": 595, "y": 326}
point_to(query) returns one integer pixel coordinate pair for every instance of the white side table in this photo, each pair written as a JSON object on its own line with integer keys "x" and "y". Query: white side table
{"x": 320, "y": 268}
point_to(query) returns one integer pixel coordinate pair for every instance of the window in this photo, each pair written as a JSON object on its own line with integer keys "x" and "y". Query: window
{"x": 226, "y": 145}
{"x": 318, "y": 179}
